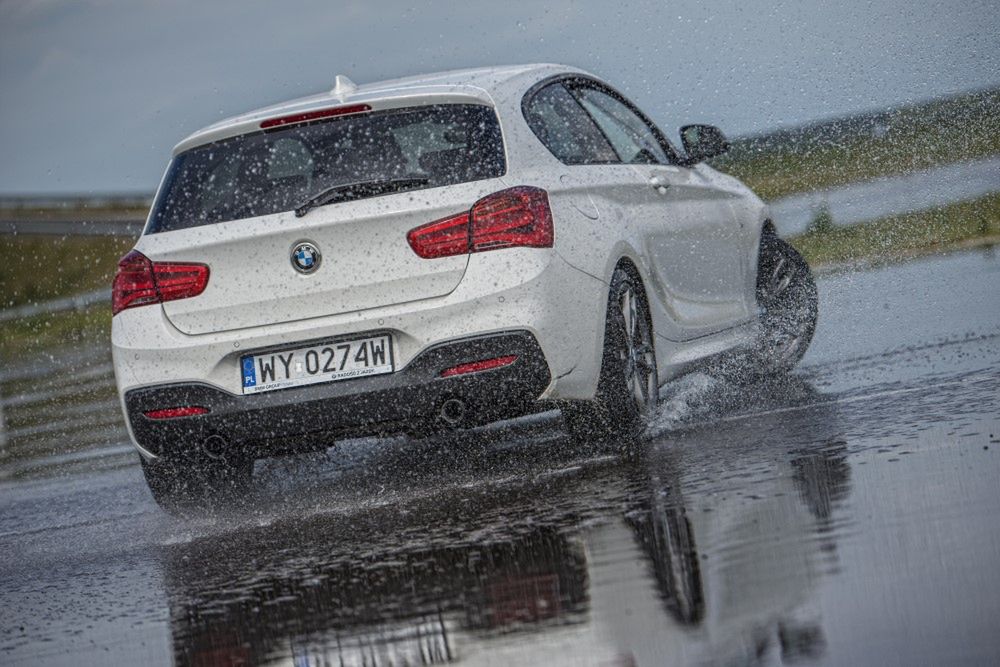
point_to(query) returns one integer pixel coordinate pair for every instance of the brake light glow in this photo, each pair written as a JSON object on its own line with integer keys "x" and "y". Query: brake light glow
{"x": 476, "y": 366}
{"x": 141, "y": 282}
{"x": 516, "y": 217}
{"x": 173, "y": 413}
{"x": 314, "y": 115}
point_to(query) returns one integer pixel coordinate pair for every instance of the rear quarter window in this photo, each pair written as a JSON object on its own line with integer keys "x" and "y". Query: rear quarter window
{"x": 270, "y": 171}
{"x": 562, "y": 125}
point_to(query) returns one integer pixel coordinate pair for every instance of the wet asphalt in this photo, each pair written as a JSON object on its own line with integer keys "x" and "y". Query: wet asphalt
{"x": 848, "y": 514}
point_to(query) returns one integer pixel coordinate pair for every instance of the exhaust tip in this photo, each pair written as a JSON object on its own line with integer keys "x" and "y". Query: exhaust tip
{"x": 215, "y": 446}
{"x": 452, "y": 412}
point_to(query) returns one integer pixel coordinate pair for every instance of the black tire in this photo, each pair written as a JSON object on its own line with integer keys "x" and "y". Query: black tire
{"x": 183, "y": 485}
{"x": 788, "y": 307}
{"x": 628, "y": 386}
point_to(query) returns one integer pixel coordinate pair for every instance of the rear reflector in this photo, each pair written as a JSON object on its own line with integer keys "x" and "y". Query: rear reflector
{"x": 173, "y": 413}
{"x": 476, "y": 366}
{"x": 314, "y": 115}
{"x": 517, "y": 217}
{"x": 140, "y": 282}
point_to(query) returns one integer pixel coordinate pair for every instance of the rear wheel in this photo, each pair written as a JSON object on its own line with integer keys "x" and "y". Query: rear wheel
{"x": 788, "y": 306}
{"x": 628, "y": 387}
{"x": 185, "y": 484}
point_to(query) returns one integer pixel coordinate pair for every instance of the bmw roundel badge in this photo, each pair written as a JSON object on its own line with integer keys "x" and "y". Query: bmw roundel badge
{"x": 305, "y": 257}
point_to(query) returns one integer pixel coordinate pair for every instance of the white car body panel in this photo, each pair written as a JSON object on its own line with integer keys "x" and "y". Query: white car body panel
{"x": 371, "y": 279}
{"x": 689, "y": 226}
{"x": 540, "y": 296}
{"x": 366, "y": 263}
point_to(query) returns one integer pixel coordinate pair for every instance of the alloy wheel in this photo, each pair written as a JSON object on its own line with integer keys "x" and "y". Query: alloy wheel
{"x": 786, "y": 311}
{"x": 636, "y": 354}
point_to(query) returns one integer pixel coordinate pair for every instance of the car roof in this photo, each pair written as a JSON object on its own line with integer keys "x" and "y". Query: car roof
{"x": 481, "y": 84}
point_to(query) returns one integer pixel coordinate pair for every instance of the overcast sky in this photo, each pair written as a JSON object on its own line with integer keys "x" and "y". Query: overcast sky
{"x": 94, "y": 94}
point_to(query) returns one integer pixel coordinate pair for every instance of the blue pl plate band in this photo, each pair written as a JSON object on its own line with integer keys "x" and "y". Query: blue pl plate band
{"x": 249, "y": 372}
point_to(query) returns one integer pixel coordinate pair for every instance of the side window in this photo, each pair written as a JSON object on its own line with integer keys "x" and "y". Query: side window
{"x": 633, "y": 140}
{"x": 560, "y": 123}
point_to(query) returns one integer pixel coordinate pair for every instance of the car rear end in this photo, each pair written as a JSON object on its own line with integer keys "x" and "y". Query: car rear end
{"x": 427, "y": 290}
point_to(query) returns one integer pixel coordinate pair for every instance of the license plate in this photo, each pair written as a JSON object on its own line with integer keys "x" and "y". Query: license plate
{"x": 319, "y": 363}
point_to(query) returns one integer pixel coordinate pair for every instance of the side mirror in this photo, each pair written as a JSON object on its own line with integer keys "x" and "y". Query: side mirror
{"x": 702, "y": 142}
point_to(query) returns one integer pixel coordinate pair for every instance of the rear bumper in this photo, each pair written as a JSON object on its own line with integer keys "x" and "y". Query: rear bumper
{"x": 518, "y": 289}
{"x": 298, "y": 418}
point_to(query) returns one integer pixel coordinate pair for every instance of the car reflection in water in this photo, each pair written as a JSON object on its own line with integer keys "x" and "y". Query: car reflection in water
{"x": 737, "y": 532}
{"x": 662, "y": 557}
{"x": 400, "y": 608}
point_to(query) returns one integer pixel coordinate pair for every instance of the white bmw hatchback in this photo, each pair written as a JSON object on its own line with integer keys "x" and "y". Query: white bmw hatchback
{"x": 434, "y": 252}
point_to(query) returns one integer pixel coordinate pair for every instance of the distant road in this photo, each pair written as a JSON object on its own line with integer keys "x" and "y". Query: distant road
{"x": 848, "y": 204}
{"x": 891, "y": 195}
{"x": 127, "y": 227}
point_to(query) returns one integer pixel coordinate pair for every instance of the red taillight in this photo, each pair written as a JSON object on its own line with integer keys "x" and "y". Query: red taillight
{"x": 441, "y": 238}
{"x": 313, "y": 115}
{"x": 179, "y": 281}
{"x": 140, "y": 282}
{"x": 476, "y": 366}
{"x": 134, "y": 284}
{"x": 515, "y": 217}
{"x": 173, "y": 413}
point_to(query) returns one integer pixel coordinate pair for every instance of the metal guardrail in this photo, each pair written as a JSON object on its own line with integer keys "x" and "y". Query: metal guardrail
{"x": 75, "y": 302}
{"x": 38, "y": 408}
{"x": 76, "y": 201}
{"x": 107, "y": 227}
{"x": 3, "y": 431}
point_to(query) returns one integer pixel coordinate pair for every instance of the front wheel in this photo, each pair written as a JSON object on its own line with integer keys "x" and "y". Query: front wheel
{"x": 628, "y": 386}
{"x": 788, "y": 306}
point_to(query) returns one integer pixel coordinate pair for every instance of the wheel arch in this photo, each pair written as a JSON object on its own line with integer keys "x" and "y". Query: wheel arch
{"x": 627, "y": 265}
{"x": 627, "y": 259}
{"x": 767, "y": 230}
{"x": 630, "y": 266}
{"x": 624, "y": 258}
{"x": 608, "y": 412}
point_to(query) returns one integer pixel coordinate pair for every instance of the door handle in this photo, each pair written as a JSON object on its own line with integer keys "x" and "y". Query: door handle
{"x": 659, "y": 184}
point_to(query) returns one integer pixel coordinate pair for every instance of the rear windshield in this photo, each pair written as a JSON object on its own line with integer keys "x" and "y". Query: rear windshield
{"x": 279, "y": 170}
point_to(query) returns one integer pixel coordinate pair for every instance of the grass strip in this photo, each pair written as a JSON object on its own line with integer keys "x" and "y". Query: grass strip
{"x": 33, "y": 335}
{"x": 39, "y": 267}
{"x": 860, "y": 148}
{"x": 881, "y": 241}
{"x": 777, "y": 175}
{"x": 901, "y": 236}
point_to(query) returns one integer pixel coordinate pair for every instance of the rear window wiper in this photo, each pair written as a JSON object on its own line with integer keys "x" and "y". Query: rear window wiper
{"x": 360, "y": 189}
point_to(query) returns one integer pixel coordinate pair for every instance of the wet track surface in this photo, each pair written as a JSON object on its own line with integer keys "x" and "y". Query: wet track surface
{"x": 847, "y": 515}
